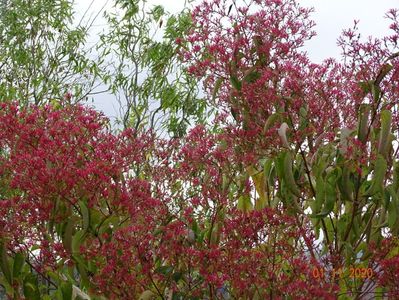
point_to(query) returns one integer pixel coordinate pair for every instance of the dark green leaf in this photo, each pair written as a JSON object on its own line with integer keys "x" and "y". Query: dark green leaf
{"x": 252, "y": 76}
{"x": 30, "y": 287}
{"x": 165, "y": 270}
{"x": 235, "y": 82}
{"x": 66, "y": 289}
{"x": 19, "y": 261}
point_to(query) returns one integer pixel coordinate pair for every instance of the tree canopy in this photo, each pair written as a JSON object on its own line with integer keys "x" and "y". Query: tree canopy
{"x": 241, "y": 169}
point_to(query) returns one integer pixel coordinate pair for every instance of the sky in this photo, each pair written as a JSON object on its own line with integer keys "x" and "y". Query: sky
{"x": 331, "y": 17}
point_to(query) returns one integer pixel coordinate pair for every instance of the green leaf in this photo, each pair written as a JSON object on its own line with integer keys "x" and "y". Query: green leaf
{"x": 177, "y": 276}
{"x": 320, "y": 195}
{"x": 85, "y": 282}
{"x": 330, "y": 193}
{"x": 364, "y": 112}
{"x": 375, "y": 92}
{"x": 345, "y": 184}
{"x": 235, "y": 82}
{"x": 147, "y": 295}
{"x": 30, "y": 287}
{"x": 19, "y": 261}
{"x": 271, "y": 120}
{"x": 267, "y": 168}
{"x": 304, "y": 118}
{"x": 259, "y": 180}
{"x": 349, "y": 252}
{"x": 216, "y": 89}
{"x": 393, "y": 209}
{"x": 384, "y": 140}
{"x": 345, "y": 134}
{"x": 288, "y": 175}
{"x": 357, "y": 226}
{"x": 303, "y": 113}
{"x": 66, "y": 289}
{"x": 379, "y": 293}
{"x": 342, "y": 225}
{"x": 67, "y": 235}
{"x": 366, "y": 86}
{"x": 380, "y": 168}
{"x": 164, "y": 270}
{"x": 5, "y": 264}
{"x": 252, "y": 76}
{"x": 385, "y": 69}
{"x": 158, "y": 11}
{"x": 244, "y": 203}
{"x": 395, "y": 181}
{"x": 260, "y": 186}
{"x": 85, "y": 215}
{"x": 77, "y": 240}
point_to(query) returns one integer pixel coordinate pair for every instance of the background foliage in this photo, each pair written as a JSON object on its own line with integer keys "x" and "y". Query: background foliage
{"x": 281, "y": 181}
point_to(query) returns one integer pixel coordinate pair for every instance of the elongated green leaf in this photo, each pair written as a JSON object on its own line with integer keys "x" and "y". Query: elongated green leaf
{"x": 85, "y": 215}
{"x": 342, "y": 225}
{"x": 244, "y": 203}
{"x": 395, "y": 181}
{"x": 377, "y": 182}
{"x": 225, "y": 182}
{"x": 5, "y": 264}
{"x": 215, "y": 234}
{"x": 320, "y": 195}
{"x": 375, "y": 92}
{"x": 259, "y": 180}
{"x": 66, "y": 289}
{"x": 252, "y": 76}
{"x": 271, "y": 120}
{"x": 366, "y": 86}
{"x": 357, "y": 227}
{"x": 85, "y": 282}
{"x": 364, "y": 112}
{"x": 107, "y": 223}
{"x": 77, "y": 240}
{"x": 164, "y": 270}
{"x": 288, "y": 175}
{"x": 19, "y": 261}
{"x": 384, "y": 140}
{"x": 216, "y": 89}
{"x": 346, "y": 185}
{"x": 235, "y": 82}
{"x": 330, "y": 193}
{"x": 267, "y": 168}
{"x": 67, "y": 236}
{"x": 30, "y": 287}
{"x": 393, "y": 209}
{"x": 385, "y": 69}
{"x": 345, "y": 133}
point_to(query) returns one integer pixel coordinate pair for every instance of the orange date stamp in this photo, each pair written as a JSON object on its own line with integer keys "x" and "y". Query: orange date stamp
{"x": 351, "y": 272}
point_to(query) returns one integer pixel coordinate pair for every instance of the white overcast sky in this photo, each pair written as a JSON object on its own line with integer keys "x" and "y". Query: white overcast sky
{"x": 331, "y": 16}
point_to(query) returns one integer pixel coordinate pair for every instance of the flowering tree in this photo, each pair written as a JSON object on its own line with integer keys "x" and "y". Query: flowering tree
{"x": 130, "y": 215}
{"x": 334, "y": 161}
{"x": 292, "y": 191}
